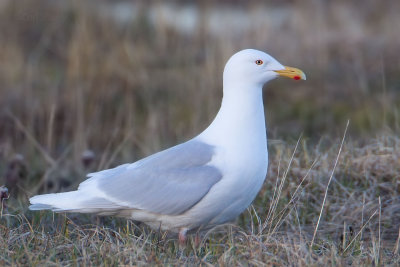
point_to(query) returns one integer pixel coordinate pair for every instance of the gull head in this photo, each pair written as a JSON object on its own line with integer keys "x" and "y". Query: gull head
{"x": 253, "y": 67}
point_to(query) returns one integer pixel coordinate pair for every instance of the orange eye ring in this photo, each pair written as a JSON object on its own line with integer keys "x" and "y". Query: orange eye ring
{"x": 259, "y": 62}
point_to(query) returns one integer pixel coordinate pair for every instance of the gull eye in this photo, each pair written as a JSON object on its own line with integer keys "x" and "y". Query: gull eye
{"x": 259, "y": 62}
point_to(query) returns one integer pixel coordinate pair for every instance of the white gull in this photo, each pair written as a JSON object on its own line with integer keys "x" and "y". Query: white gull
{"x": 206, "y": 181}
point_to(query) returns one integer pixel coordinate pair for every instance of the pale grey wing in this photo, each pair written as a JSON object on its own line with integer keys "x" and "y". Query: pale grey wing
{"x": 169, "y": 182}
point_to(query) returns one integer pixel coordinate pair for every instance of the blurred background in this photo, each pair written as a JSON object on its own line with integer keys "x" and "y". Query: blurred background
{"x": 86, "y": 85}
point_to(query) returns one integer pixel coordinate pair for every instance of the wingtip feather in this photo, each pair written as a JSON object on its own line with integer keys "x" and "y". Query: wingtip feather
{"x": 40, "y": 207}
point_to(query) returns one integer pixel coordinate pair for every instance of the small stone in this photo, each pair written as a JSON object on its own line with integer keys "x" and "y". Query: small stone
{"x": 3, "y": 196}
{"x": 87, "y": 158}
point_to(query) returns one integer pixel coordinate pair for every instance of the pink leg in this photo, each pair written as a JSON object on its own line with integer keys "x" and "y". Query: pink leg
{"x": 182, "y": 237}
{"x": 197, "y": 240}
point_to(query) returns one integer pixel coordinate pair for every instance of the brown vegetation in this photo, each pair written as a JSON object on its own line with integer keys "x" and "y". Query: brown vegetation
{"x": 81, "y": 90}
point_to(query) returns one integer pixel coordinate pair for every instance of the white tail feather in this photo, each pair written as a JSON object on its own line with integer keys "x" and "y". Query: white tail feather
{"x": 74, "y": 201}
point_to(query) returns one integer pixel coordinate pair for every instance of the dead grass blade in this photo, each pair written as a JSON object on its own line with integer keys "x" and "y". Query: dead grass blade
{"x": 327, "y": 186}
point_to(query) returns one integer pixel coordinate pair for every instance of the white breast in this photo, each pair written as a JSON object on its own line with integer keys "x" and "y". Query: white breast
{"x": 239, "y": 134}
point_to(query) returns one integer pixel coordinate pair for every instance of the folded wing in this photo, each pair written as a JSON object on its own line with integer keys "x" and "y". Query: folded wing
{"x": 169, "y": 182}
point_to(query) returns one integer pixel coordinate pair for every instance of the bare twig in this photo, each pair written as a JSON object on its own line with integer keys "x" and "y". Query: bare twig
{"x": 32, "y": 139}
{"x": 396, "y": 247}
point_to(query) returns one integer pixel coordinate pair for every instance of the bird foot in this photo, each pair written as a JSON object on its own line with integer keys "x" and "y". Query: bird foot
{"x": 182, "y": 237}
{"x": 197, "y": 241}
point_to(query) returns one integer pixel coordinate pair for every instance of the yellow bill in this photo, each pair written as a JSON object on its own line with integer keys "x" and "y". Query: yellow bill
{"x": 292, "y": 73}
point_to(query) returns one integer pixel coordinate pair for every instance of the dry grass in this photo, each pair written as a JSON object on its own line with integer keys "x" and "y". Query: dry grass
{"x": 359, "y": 223}
{"x": 80, "y": 91}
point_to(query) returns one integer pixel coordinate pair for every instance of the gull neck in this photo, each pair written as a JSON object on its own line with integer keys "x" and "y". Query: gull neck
{"x": 241, "y": 116}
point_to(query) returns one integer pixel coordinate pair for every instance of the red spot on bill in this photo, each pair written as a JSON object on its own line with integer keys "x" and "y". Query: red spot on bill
{"x": 296, "y": 77}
